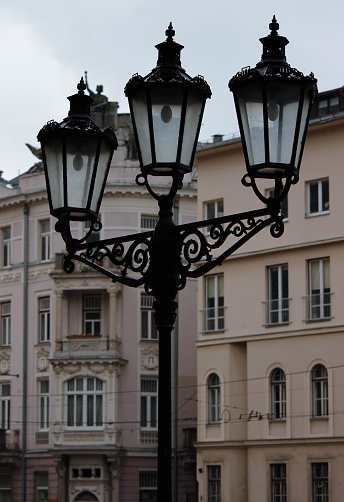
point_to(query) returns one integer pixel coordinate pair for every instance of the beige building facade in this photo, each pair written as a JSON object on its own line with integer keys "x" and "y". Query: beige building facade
{"x": 271, "y": 336}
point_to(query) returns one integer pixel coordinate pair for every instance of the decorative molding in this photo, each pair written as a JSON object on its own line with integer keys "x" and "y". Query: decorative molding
{"x": 84, "y": 436}
{"x": 10, "y": 277}
{"x": 150, "y": 358}
{"x": 5, "y": 361}
{"x": 42, "y": 359}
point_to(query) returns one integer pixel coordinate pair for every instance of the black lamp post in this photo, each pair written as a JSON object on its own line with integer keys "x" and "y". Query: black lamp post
{"x": 273, "y": 103}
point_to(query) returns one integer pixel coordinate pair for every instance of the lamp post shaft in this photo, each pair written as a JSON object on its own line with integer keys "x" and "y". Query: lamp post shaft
{"x": 164, "y": 281}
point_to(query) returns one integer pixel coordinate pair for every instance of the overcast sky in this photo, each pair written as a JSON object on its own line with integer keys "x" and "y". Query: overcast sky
{"x": 46, "y": 45}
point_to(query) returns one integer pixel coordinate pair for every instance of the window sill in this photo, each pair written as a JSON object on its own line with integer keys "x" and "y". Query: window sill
{"x": 314, "y": 215}
{"x": 320, "y": 319}
{"x": 274, "y": 324}
{"x": 325, "y": 418}
{"x": 213, "y": 332}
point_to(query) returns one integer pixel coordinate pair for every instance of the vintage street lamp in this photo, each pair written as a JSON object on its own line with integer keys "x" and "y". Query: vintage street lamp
{"x": 273, "y": 103}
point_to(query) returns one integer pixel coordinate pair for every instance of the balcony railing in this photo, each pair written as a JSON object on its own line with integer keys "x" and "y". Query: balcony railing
{"x": 213, "y": 319}
{"x": 318, "y": 307}
{"x": 276, "y": 311}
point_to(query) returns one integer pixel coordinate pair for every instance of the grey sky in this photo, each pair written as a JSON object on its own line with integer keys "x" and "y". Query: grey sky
{"x": 46, "y": 45}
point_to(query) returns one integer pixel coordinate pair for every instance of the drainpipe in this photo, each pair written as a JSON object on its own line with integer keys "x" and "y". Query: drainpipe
{"x": 175, "y": 385}
{"x": 25, "y": 344}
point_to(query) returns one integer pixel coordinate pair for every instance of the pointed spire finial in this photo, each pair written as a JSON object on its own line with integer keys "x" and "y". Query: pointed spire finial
{"x": 274, "y": 26}
{"x": 170, "y": 33}
{"x": 81, "y": 86}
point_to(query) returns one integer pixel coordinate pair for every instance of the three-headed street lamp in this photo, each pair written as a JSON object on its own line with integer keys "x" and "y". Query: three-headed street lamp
{"x": 273, "y": 104}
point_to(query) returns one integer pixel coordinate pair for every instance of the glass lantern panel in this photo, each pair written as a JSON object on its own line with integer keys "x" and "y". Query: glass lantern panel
{"x": 80, "y": 155}
{"x": 251, "y": 113}
{"x": 304, "y": 115}
{"x": 166, "y": 114}
{"x": 283, "y": 105}
{"x": 53, "y": 154}
{"x": 104, "y": 159}
{"x": 140, "y": 112}
{"x": 192, "y": 119}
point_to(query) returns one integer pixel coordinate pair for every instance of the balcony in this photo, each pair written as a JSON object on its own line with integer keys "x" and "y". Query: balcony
{"x": 10, "y": 454}
{"x": 318, "y": 307}
{"x": 276, "y": 312}
{"x": 85, "y": 345}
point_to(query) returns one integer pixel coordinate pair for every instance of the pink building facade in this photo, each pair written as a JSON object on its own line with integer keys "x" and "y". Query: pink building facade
{"x": 270, "y": 365}
{"x": 79, "y": 354}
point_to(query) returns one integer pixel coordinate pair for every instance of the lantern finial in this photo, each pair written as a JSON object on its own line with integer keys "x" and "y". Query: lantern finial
{"x": 273, "y": 46}
{"x": 81, "y": 86}
{"x": 274, "y": 26}
{"x": 170, "y": 33}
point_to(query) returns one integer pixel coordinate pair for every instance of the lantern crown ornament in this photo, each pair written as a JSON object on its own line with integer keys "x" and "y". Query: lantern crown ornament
{"x": 76, "y": 157}
{"x": 167, "y": 107}
{"x": 273, "y": 103}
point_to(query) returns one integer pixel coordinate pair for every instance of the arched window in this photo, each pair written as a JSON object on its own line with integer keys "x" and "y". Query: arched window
{"x": 320, "y": 391}
{"x": 278, "y": 394}
{"x": 85, "y": 402}
{"x": 214, "y": 398}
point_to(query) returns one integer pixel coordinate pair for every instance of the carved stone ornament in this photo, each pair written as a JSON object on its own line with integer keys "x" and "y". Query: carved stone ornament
{"x": 149, "y": 358}
{"x": 42, "y": 359}
{"x": 5, "y": 362}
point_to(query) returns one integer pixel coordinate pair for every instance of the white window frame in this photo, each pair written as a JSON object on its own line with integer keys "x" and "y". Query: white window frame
{"x": 92, "y": 314}
{"x": 213, "y": 209}
{"x": 44, "y": 318}
{"x": 320, "y": 301}
{"x": 5, "y": 401}
{"x": 214, "y": 399}
{"x": 45, "y": 240}
{"x": 214, "y": 314}
{"x": 148, "y": 326}
{"x": 320, "y": 391}
{"x": 80, "y": 399}
{"x": 278, "y": 394}
{"x": 320, "y": 209}
{"x": 214, "y": 483}
{"x": 6, "y": 321}
{"x": 149, "y": 403}
{"x": 320, "y": 482}
{"x": 148, "y": 222}
{"x": 6, "y": 247}
{"x": 44, "y": 403}
{"x": 278, "y": 482}
{"x": 278, "y": 303}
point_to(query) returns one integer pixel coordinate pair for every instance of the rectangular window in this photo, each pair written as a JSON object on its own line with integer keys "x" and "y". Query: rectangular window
{"x": 6, "y": 247}
{"x": 278, "y": 482}
{"x": 41, "y": 479}
{"x": 92, "y": 314}
{"x": 148, "y": 486}
{"x": 6, "y": 323}
{"x": 5, "y": 396}
{"x": 213, "y": 210}
{"x": 278, "y": 304}
{"x": 45, "y": 240}
{"x": 5, "y": 488}
{"x": 44, "y": 404}
{"x": 85, "y": 402}
{"x": 319, "y": 289}
{"x": 148, "y": 327}
{"x": 320, "y": 482}
{"x": 44, "y": 319}
{"x": 214, "y": 483}
{"x": 214, "y": 311}
{"x": 149, "y": 403}
{"x": 318, "y": 197}
{"x": 148, "y": 222}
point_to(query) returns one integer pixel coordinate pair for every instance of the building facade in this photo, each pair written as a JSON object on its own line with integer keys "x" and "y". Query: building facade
{"x": 270, "y": 420}
{"x": 79, "y": 354}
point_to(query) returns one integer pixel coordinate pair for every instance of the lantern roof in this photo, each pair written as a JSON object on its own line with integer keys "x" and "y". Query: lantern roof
{"x": 168, "y": 69}
{"x": 78, "y": 121}
{"x": 273, "y": 65}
